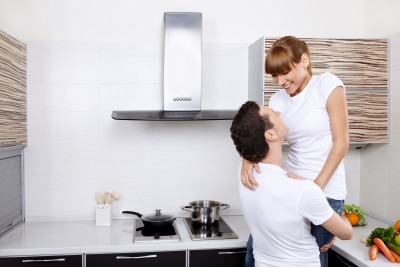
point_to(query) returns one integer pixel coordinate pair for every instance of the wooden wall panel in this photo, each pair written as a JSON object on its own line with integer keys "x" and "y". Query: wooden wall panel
{"x": 12, "y": 91}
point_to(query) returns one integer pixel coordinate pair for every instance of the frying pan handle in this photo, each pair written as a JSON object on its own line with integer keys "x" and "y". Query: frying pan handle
{"x": 187, "y": 208}
{"x": 133, "y": 212}
{"x": 224, "y": 206}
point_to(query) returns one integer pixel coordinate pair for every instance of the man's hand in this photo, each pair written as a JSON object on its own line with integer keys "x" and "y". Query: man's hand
{"x": 294, "y": 176}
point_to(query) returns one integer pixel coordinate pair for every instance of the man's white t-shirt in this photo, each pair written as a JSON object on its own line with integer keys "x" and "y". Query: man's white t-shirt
{"x": 279, "y": 215}
{"x": 310, "y": 136}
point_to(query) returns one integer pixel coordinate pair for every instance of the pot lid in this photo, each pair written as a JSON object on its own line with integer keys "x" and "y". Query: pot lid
{"x": 158, "y": 217}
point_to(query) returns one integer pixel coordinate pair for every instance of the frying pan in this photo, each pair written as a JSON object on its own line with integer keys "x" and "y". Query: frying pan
{"x": 154, "y": 220}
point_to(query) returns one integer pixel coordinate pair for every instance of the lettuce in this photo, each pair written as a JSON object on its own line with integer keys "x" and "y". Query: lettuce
{"x": 386, "y": 234}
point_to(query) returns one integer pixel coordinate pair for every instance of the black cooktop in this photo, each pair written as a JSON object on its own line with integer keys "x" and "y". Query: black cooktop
{"x": 218, "y": 230}
{"x": 144, "y": 233}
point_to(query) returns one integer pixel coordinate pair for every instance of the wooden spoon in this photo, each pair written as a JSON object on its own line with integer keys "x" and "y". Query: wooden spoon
{"x": 99, "y": 198}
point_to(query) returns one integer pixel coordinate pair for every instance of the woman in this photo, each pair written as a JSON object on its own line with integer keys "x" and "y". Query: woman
{"x": 314, "y": 108}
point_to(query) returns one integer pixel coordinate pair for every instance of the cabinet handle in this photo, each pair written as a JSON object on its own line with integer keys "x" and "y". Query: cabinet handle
{"x": 43, "y": 260}
{"x": 10, "y": 143}
{"x": 137, "y": 257}
{"x": 231, "y": 252}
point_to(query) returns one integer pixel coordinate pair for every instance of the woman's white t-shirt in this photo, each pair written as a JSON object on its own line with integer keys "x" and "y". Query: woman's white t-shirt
{"x": 310, "y": 136}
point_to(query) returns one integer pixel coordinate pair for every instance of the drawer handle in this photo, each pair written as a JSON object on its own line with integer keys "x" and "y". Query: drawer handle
{"x": 44, "y": 260}
{"x": 231, "y": 252}
{"x": 11, "y": 143}
{"x": 137, "y": 257}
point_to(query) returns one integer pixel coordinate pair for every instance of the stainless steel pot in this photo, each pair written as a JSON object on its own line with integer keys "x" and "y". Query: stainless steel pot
{"x": 205, "y": 211}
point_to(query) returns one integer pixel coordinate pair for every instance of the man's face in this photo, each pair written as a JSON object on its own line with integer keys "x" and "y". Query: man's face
{"x": 274, "y": 116}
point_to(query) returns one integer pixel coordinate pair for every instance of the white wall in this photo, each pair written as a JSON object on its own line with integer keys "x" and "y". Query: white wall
{"x": 76, "y": 148}
{"x": 127, "y": 21}
{"x": 380, "y": 168}
{"x": 86, "y": 58}
{"x": 379, "y": 163}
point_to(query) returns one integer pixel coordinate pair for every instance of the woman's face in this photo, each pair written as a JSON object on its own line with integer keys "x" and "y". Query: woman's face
{"x": 296, "y": 79}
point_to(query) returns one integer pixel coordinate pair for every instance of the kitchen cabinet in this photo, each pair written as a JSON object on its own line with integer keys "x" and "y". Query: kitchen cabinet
{"x": 362, "y": 65}
{"x": 11, "y": 188}
{"x": 336, "y": 260}
{"x": 12, "y": 91}
{"x": 43, "y": 261}
{"x": 146, "y": 259}
{"x": 217, "y": 257}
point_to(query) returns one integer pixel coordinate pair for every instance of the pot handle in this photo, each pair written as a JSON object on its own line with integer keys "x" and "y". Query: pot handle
{"x": 133, "y": 212}
{"x": 224, "y": 206}
{"x": 187, "y": 208}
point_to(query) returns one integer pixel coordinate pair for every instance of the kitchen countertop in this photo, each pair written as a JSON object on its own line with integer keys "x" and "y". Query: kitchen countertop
{"x": 357, "y": 252}
{"x": 77, "y": 237}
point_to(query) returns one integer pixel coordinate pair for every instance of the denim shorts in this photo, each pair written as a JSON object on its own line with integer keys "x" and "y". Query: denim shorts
{"x": 322, "y": 235}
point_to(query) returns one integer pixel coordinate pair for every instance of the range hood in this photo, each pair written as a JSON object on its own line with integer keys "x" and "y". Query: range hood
{"x": 182, "y": 74}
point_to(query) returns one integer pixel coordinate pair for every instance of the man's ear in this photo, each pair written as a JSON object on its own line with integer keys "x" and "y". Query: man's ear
{"x": 270, "y": 135}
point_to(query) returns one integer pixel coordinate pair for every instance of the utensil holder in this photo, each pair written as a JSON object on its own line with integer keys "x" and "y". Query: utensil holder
{"x": 103, "y": 215}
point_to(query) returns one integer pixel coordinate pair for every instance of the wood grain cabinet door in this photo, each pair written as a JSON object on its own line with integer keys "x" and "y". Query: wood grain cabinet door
{"x": 147, "y": 259}
{"x": 217, "y": 257}
{"x": 362, "y": 65}
{"x": 43, "y": 261}
{"x": 12, "y": 91}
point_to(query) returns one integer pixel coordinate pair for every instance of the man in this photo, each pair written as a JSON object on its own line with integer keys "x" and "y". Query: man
{"x": 280, "y": 212}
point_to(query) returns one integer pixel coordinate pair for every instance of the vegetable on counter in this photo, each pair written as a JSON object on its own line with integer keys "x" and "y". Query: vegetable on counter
{"x": 394, "y": 247}
{"x": 396, "y": 226}
{"x": 395, "y": 256}
{"x": 384, "y": 249}
{"x": 385, "y": 239}
{"x": 352, "y": 209}
{"x": 386, "y": 234}
{"x": 373, "y": 251}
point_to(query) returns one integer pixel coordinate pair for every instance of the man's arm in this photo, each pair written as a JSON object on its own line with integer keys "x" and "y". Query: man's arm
{"x": 339, "y": 226}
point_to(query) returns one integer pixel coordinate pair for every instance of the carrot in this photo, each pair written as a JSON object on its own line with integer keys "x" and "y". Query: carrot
{"x": 373, "y": 251}
{"x": 384, "y": 249}
{"x": 395, "y": 256}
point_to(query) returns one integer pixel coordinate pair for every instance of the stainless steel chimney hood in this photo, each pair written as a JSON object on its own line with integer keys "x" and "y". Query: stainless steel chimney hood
{"x": 182, "y": 74}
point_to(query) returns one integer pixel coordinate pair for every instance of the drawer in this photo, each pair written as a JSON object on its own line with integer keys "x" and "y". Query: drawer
{"x": 43, "y": 261}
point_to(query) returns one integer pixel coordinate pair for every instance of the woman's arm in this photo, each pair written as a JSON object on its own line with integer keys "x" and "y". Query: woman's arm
{"x": 337, "y": 109}
{"x": 247, "y": 174}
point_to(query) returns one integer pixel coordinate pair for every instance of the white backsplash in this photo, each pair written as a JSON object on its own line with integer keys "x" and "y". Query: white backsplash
{"x": 75, "y": 148}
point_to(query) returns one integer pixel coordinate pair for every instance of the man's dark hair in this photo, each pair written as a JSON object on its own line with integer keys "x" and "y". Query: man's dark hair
{"x": 247, "y": 132}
